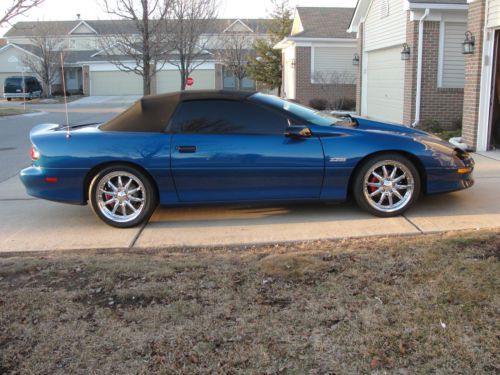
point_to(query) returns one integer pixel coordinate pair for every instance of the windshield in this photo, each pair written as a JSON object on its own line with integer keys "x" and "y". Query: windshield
{"x": 305, "y": 113}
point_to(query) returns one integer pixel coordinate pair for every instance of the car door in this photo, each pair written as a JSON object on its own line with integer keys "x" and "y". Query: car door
{"x": 225, "y": 150}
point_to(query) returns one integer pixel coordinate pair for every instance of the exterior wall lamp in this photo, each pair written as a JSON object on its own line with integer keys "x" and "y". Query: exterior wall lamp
{"x": 405, "y": 53}
{"x": 292, "y": 63}
{"x": 468, "y": 43}
{"x": 355, "y": 59}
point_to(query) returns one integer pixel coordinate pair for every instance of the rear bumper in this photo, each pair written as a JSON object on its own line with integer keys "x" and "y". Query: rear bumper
{"x": 20, "y": 95}
{"x": 60, "y": 185}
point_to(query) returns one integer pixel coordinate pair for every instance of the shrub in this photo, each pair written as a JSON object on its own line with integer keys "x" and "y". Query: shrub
{"x": 344, "y": 104}
{"x": 318, "y": 103}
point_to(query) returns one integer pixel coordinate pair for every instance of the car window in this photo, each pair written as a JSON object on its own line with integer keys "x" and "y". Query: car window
{"x": 307, "y": 114}
{"x": 15, "y": 82}
{"x": 226, "y": 117}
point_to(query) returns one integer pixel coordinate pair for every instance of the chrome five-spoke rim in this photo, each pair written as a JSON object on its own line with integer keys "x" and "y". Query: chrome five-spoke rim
{"x": 120, "y": 196}
{"x": 388, "y": 186}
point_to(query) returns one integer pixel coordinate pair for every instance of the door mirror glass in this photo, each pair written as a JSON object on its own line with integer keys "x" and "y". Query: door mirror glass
{"x": 298, "y": 131}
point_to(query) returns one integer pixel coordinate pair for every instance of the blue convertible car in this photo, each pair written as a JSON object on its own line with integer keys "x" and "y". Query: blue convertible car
{"x": 202, "y": 147}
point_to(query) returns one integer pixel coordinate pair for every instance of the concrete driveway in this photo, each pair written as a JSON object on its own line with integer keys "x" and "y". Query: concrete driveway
{"x": 31, "y": 224}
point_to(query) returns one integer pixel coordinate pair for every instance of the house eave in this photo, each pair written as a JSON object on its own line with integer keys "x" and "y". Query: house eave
{"x": 413, "y": 6}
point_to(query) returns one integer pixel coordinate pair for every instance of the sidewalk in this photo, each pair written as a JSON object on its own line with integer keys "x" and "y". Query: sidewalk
{"x": 30, "y": 224}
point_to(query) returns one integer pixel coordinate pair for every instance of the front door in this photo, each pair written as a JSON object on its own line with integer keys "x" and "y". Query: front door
{"x": 226, "y": 151}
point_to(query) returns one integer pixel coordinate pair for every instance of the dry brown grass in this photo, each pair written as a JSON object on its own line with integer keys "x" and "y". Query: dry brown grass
{"x": 411, "y": 305}
{"x": 14, "y": 111}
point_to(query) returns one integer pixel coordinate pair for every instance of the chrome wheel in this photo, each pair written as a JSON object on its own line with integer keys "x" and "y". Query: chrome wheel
{"x": 388, "y": 186}
{"x": 120, "y": 196}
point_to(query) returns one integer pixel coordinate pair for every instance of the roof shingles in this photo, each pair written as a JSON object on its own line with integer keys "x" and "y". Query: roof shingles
{"x": 321, "y": 22}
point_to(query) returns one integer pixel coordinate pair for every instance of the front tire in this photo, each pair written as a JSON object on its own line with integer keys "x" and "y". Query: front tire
{"x": 122, "y": 196}
{"x": 387, "y": 185}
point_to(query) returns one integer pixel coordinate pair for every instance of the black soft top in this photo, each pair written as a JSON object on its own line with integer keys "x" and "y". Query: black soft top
{"x": 152, "y": 113}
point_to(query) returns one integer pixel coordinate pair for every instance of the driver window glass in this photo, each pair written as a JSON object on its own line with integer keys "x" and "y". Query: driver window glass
{"x": 227, "y": 117}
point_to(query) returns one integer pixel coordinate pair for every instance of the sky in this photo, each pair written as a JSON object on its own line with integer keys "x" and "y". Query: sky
{"x": 91, "y": 9}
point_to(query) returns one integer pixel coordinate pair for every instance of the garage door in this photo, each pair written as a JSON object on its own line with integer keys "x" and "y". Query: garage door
{"x": 5, "y": 75}
{"x": 385, "y": 85}
{"x": 115, "y": 83}
{"x": 170, "y": 80}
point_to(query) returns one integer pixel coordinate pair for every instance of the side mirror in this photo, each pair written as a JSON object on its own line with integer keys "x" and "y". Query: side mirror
{"x": 298, "y": 131}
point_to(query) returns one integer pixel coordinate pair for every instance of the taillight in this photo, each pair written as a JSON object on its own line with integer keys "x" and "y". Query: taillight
{"x": 35, "y": 154}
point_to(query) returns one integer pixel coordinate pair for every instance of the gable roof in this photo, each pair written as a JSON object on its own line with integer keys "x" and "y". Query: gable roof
{"x": 321, "y": 22}
{"x": 84, "y": 25}
{"x": 110, "y": 27}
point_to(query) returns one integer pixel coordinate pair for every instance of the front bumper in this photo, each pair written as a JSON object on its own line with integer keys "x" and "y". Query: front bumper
{"x": 60, "y": 185}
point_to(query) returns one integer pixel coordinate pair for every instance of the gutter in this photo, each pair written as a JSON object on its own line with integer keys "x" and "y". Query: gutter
{"x": 419, "y": 66}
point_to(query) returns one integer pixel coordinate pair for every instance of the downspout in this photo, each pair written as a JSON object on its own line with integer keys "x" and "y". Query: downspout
{"x": 419, "y": 67}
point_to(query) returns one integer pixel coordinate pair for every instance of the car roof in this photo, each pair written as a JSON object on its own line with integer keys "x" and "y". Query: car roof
{"x": 152, "y": 113}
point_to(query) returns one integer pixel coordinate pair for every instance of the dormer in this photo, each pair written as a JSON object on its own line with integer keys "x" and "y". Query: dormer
{"x": 82, "y": 28}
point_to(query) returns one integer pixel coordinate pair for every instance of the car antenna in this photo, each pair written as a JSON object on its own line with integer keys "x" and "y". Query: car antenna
{"x": 68, "y": 135}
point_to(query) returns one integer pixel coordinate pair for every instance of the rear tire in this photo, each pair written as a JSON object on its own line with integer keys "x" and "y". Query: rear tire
{"x": 387, "y": 185}
{"x": 122, "y": 196}
{"x": 9, "y": 99}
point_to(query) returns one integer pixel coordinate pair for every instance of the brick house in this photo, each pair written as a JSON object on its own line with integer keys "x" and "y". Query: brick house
{"x": 412, "y": 66}
{"x": 318, "y": 56}
{"x": 481, "y": 120}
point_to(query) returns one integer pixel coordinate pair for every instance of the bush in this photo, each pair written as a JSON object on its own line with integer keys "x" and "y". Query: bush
{"x": 318, "y": 103}
{"x": 344, "y": 104}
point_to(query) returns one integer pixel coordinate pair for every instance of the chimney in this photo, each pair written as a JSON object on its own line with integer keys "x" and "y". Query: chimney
{"x": 78, "y": 16}
{"x": 3, "y": 42}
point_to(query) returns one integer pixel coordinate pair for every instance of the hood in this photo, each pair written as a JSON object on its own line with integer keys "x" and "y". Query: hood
{"x": 376, "y": 126}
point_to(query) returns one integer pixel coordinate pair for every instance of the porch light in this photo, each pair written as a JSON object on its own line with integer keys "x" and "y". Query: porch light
{"x": 468, "y": 44}
{"x": 405, "y": 53}
{"x": 355, "y": 59}
{"x": 292, "y": 63}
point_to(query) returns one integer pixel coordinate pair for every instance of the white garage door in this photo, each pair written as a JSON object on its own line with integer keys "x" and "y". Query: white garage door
{"x": 170, "y": 80}
{"x": 115, "y": 83}
{"x": 385, "y": 85}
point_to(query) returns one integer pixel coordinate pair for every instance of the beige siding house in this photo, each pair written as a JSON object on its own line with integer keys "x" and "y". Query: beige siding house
{"x": 318, "y": 56}
{"x": 412, "y": 66}
{"x": 89, "y": 67}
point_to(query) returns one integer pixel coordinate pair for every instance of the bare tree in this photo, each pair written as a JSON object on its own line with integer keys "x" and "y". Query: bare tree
{"x": 146, "y": 44}
{"x": 16, "y": 8}
{"x": 45, "y": 61}
{"x": 234, "y": 52}
{"x": 192, "y": 19}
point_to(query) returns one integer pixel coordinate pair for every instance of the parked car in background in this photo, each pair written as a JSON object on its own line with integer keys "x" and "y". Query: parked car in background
{"x": 208, "y": 147}
{"x": 22, "y": 87}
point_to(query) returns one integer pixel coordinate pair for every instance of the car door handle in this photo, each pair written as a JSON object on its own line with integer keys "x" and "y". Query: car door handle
{"x": 186, "y": 149}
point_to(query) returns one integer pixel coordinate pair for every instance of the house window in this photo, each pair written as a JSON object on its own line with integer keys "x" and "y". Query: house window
{"x": 451, "y": 62}
{"x": 384, "y": 8}
{"x": 229, "y": 82}
{"x": 72, "y": 44}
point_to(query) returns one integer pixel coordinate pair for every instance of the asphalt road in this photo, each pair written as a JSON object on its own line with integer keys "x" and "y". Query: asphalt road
{"x": 14, "y": 130}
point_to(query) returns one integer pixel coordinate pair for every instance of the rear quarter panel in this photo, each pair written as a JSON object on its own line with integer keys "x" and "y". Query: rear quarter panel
{"x": 72, "y": 158}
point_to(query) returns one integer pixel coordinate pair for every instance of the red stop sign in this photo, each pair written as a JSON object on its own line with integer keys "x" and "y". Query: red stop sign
{"x": 189, "y": 81}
